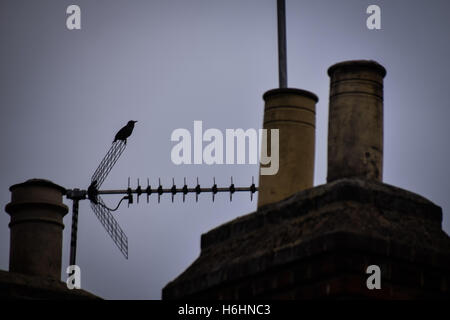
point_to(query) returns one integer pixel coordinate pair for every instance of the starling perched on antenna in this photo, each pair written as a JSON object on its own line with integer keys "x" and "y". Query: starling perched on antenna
{"x": 125, "y": 132}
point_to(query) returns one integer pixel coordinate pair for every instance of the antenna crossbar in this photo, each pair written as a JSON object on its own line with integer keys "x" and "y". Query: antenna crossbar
{"x": 93, "y": 192}
{"x": 177, "y": 190}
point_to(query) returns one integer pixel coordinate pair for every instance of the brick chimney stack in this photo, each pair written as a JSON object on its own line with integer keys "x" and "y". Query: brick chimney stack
{"x": 320, "y": 243}
{"x": 37, "y": 212}
{"x": 355, "y": 128}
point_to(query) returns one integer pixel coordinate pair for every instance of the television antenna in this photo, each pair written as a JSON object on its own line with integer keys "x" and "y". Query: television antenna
{"x": 104, "y": 213}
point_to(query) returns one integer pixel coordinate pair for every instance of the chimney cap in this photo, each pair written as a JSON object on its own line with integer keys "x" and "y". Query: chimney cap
{"x": 38, "y": 182}
{"x": 300, "y": 92}
{"x": 357, "y": 64}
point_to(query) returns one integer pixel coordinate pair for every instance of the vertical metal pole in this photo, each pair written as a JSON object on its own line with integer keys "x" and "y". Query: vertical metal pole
{"x": 73, "y": 238}
{"x": 282, "y": 60}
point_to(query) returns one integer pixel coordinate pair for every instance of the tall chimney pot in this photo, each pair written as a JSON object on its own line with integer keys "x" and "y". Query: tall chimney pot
{"x": 355, "y": 127}
{"x": 293, "y": 112}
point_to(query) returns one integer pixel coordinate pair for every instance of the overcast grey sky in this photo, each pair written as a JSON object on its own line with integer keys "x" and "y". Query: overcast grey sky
{"x": 64, "y": 94}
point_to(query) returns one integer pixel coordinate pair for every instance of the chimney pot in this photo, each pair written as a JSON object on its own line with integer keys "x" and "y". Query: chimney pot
{"x": 293, "y": 112}
{"x": 37, "y": 212}
{"x": 355, "y": 127}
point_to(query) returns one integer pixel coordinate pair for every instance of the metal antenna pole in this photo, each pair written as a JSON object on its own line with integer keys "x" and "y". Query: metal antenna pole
{"x": 282, "y": 60}
{"x": 73, "y": 241}
{"x": 75, "y": 195}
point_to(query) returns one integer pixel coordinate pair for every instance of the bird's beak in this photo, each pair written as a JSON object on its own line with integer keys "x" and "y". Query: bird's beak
{"x": 135, "y": 121}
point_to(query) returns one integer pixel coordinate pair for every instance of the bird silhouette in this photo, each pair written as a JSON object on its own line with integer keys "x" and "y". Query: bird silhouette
{"x": 125, "y": 132}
